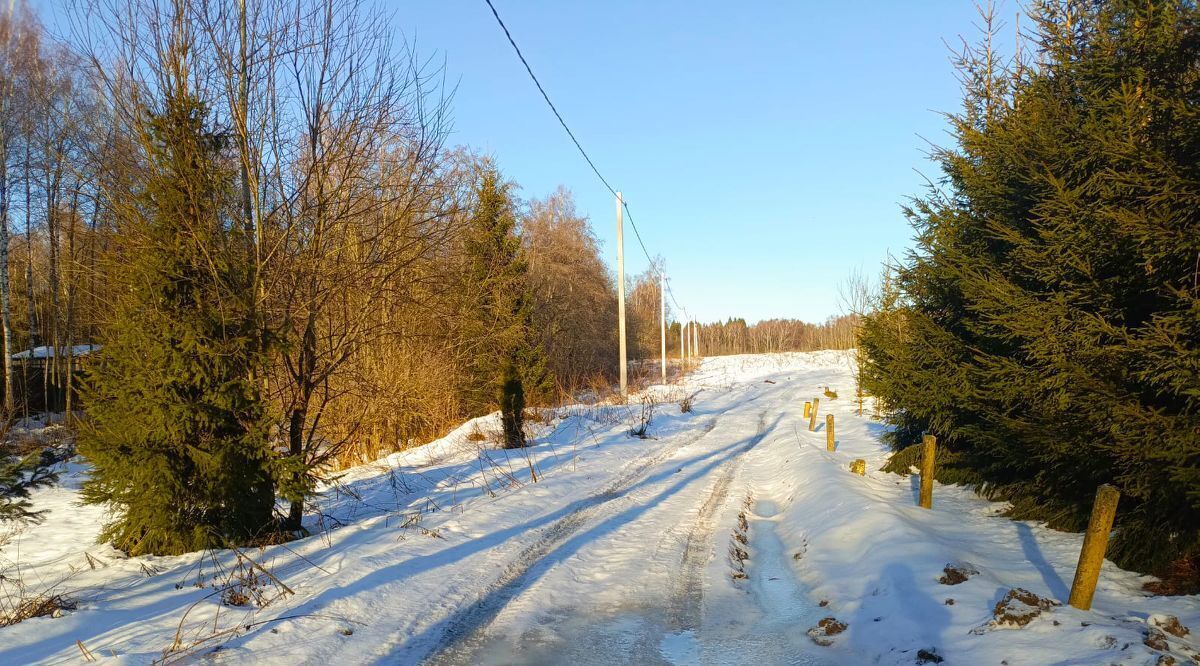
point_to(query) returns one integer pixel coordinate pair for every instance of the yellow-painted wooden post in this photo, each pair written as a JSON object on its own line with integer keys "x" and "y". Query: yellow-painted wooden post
{"x": 1095, "y": 543}
{"x": 807, "y": 409}
{"x": 812, "y": 418}
{"x": 829, "y": 432}
{"x": 928, "y": 454}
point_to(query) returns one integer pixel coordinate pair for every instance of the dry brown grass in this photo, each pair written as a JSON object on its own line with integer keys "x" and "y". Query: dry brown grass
{"x": 1181, "y": 577}
{"x": 476, "y": 435}
{"x": 18, "y": 603}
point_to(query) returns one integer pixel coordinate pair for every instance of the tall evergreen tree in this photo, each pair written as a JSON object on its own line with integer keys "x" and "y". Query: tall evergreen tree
{"x": 1051, "y": 311}
{"x": 499, "y": 308}
{"x": 176, "y": 431}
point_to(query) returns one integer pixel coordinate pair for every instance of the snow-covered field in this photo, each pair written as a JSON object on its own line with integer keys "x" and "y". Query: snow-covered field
{"x": 721, "y": 539}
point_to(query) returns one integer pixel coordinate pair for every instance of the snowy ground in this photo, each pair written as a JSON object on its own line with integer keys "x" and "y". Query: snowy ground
{"x": 722, "y": 539}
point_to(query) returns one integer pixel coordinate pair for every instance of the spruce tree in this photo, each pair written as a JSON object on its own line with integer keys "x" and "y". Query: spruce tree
{"x": 499, "y": 309}
{"x": 1050, "y": 330}
{"x": 176, "y": 432}
{"x": 20, "y": 474}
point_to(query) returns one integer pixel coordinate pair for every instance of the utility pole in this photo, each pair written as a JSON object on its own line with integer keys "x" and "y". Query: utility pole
{"x": 695, "y": 339}
{"x": 683, "y": 336}
{"x": 662, "y": 316}
{"x": 681, "y": 349}
{"x": 621, "y": 295}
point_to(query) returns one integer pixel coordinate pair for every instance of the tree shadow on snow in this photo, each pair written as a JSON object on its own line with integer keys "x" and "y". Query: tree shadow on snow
{"x": 1033, "y": 553}
{"x": 878, "y": 430}
{"x": 894, "y": 600}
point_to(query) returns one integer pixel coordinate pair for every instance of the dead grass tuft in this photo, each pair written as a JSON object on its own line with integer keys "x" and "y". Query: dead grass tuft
{"x": 18, "y": 603}
{"x": 476, "y": 435}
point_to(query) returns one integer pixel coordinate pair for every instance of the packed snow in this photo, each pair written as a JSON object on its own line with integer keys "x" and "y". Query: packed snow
{"x": 726, "y": 536}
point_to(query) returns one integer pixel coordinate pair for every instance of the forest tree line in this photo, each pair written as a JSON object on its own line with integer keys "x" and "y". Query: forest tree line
{"x": 770, "y": 336}
{"x": 252, "y": 209}
{"x": 1046, "y": 328}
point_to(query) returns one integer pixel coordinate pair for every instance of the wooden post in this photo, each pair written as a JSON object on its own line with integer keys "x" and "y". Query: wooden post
{"x": 807, "y": 409}
{"x": 928, "y": 454}
{"x": 621, "y": 296}
{"x": 812, "y": 418}
{"x": 829, "y": 432}
{"x": 1095, "y": 543}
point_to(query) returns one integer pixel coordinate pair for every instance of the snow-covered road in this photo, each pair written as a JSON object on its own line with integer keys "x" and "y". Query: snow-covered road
{"x": 721, "y": 539}
{"x": 626, "y": 578}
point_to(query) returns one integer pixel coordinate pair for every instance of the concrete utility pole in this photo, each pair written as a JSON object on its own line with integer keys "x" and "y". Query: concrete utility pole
{"x": 681, "y": 348}
{"x": 662, "y": 315}
{"x": 621, "y": 296}
{"x": 695, "y": 340}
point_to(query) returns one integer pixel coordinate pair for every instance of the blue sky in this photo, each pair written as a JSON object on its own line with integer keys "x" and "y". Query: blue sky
{"x": 764, "y": 147}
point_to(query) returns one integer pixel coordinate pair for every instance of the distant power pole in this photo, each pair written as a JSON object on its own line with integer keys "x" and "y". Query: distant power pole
{"x": 621, "y": 295}
{"x": 681, "y": 349}
{"x": 662, "y": 315}
{"x": 696, "y": 339}
{"x": 683, "y": 336}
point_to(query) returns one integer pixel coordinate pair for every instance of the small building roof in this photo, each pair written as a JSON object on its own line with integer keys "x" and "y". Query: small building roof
{"x": 49, "y": 352}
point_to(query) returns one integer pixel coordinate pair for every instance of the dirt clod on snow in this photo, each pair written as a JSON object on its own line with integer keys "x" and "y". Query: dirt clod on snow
{"x": 1018, "y": 608}
{"x": 826, "y": 629}
{"x": 953, "y": 574}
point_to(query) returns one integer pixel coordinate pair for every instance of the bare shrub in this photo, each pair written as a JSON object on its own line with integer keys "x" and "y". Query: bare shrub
{"x": 685, "y": 404}
{"x": 645, "y": 418}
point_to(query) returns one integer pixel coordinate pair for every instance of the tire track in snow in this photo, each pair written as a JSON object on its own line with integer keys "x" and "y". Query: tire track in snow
{"x": 773, "y": 606}
{"x": 688, "y": 595}
{"x": 465, "y": 631}
{"x": 462, "y": 630}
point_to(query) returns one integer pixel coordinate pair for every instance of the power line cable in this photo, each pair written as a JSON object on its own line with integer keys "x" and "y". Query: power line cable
{"x": 624, "y": 204}
{"x": 547, "y": 97}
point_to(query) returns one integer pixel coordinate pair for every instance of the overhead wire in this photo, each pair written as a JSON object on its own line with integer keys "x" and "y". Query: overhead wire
{"x": 561, "y": 121}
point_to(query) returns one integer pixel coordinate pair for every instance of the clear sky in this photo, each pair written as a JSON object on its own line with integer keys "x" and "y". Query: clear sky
{"x": 763, "y": 147}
